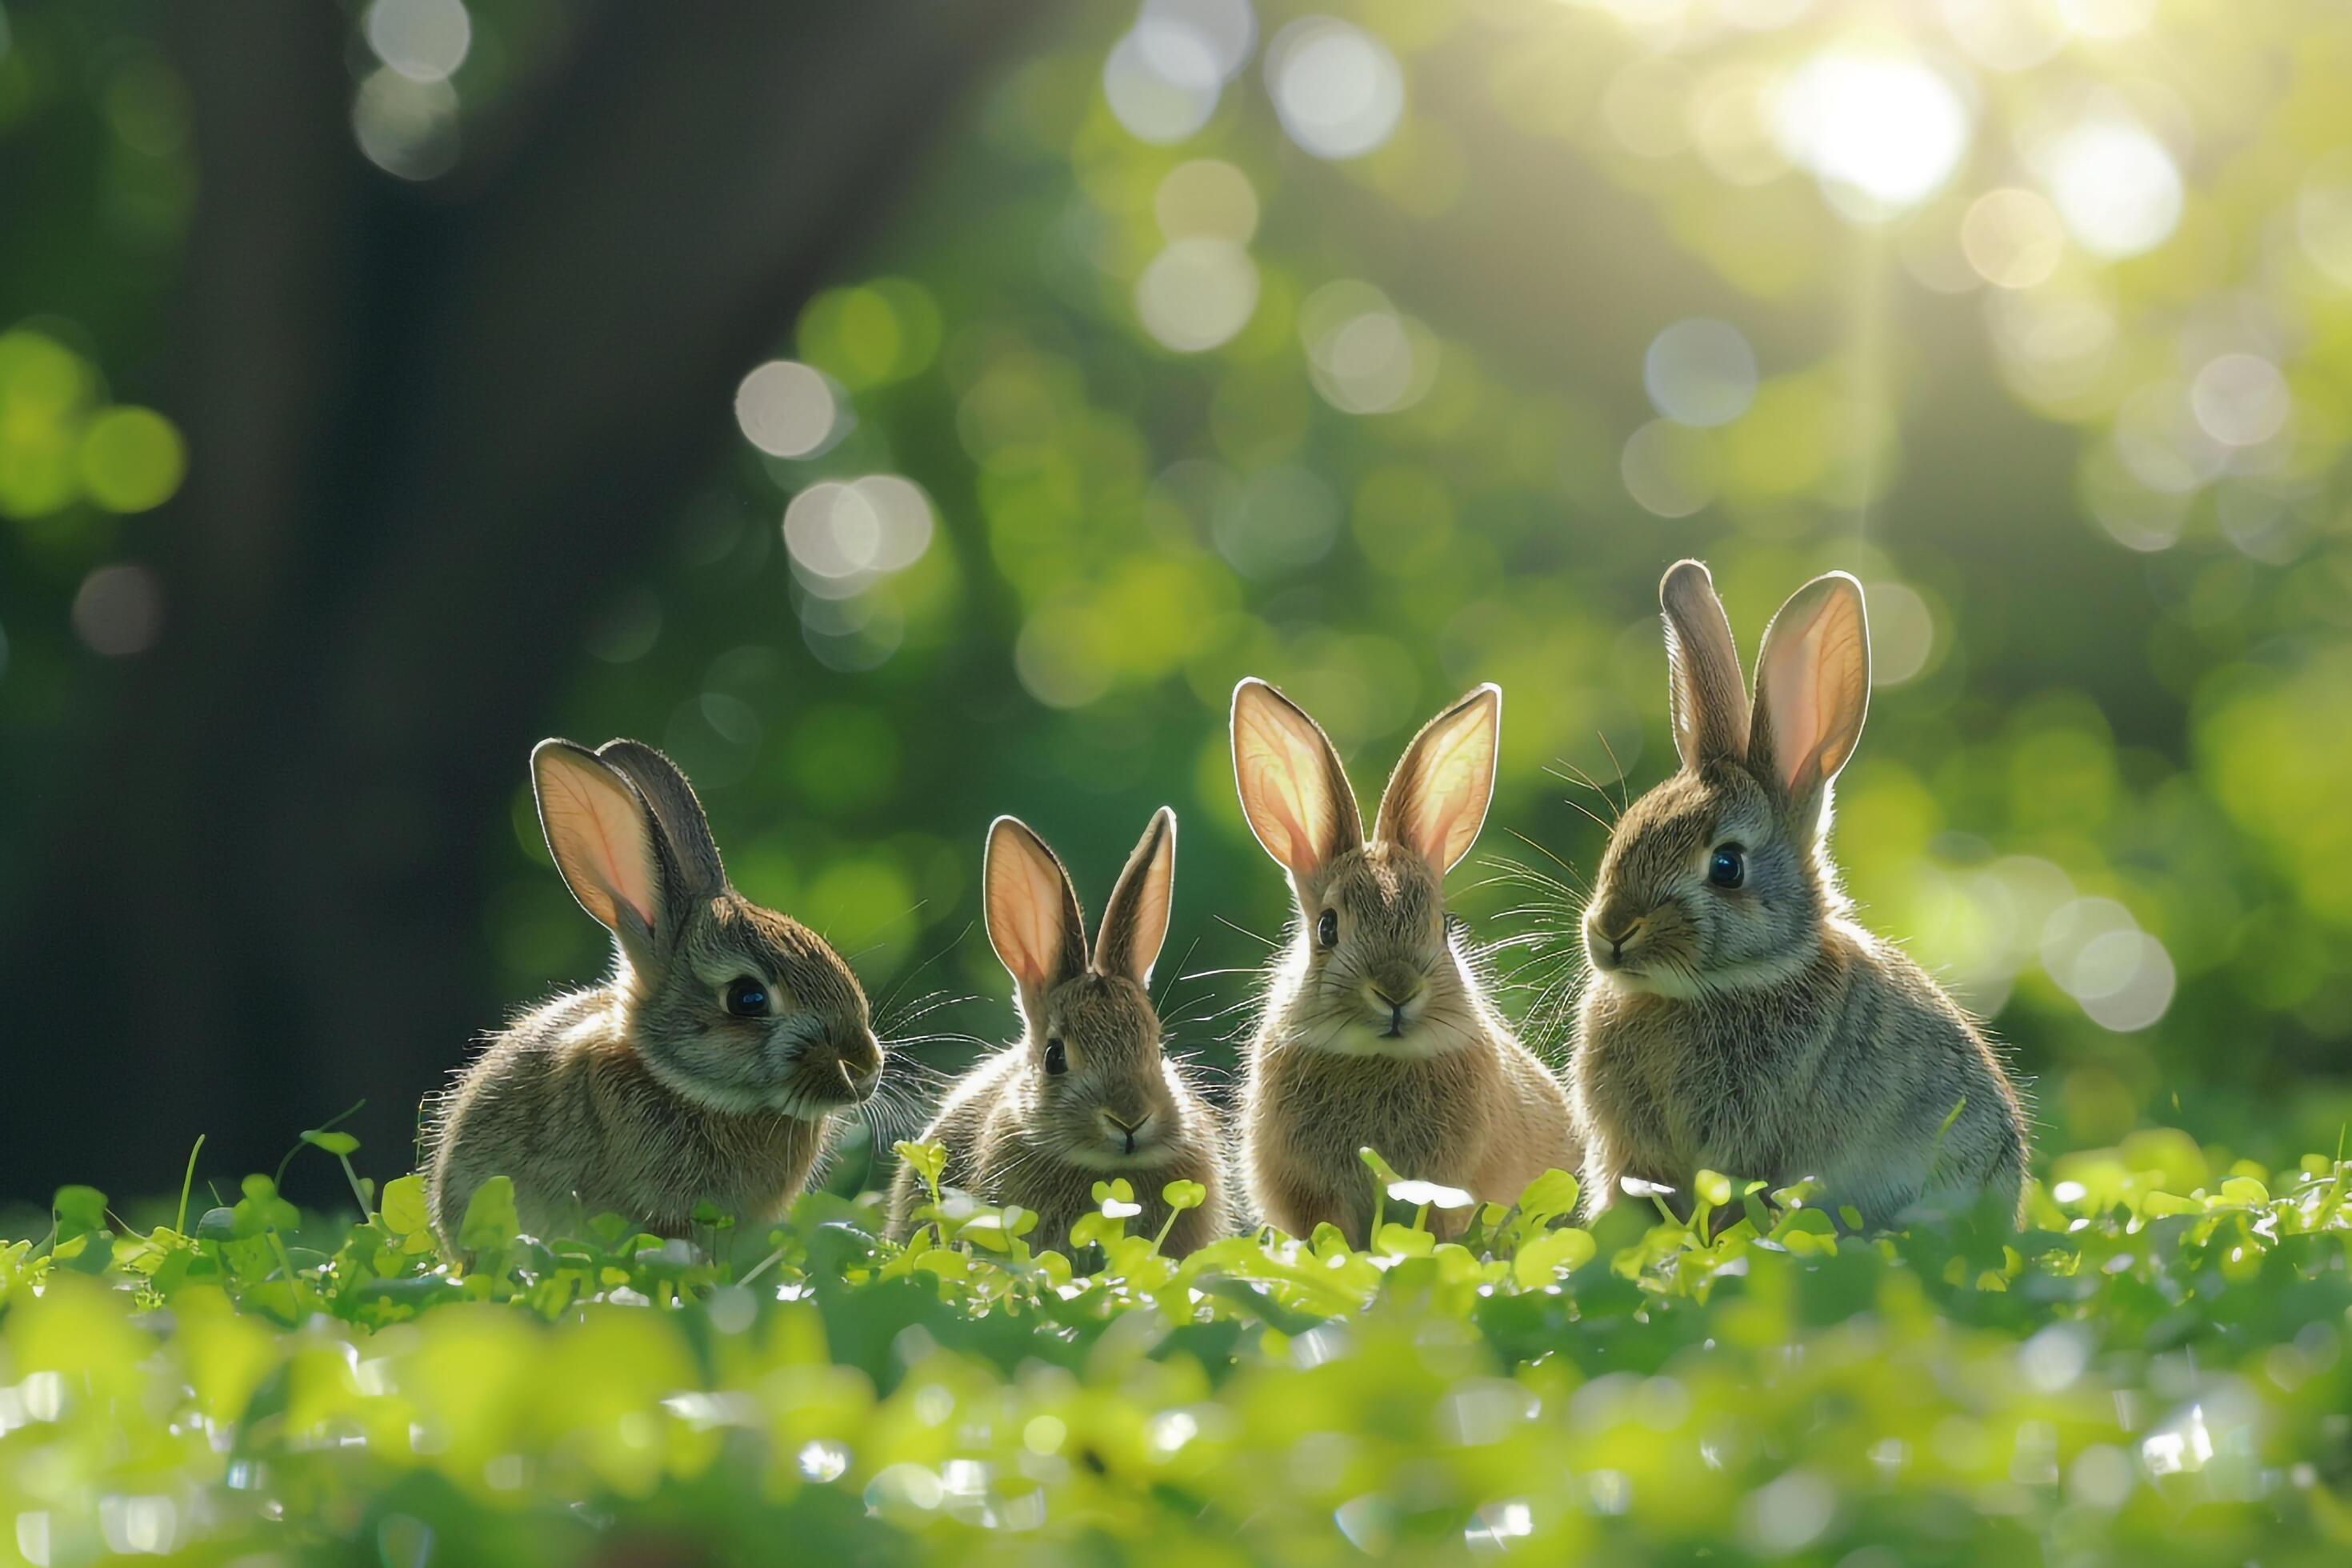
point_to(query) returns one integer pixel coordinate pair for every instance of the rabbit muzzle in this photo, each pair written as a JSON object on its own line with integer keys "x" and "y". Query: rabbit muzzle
{"x": 834, "y": 1074}
{"x": 1394, "y": 998}
{"x": 1127, "y": 1132}
{"x": 1612, "y": 939}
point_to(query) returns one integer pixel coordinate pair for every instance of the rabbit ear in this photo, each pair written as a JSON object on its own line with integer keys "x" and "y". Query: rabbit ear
{"x": 1033, "y": 912}
{"x": 601, "y": 833}
{"x": 1813, "y": 688}
{"x": 1294, "y": 789}
{"x": 1135, "y": 921}
{"x": 679, "y": 814}
{"x": 1436, "y": 800}
{"x": 1709, "y": 701}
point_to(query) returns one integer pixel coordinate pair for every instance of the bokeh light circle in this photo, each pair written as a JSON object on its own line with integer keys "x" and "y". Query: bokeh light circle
{"x": 424, "y": 40}
{"x": 2107, "y": 19}
{"x": 1062, "y": 655}
{"x": 2241, "y": 399}
{"x": 1164, "y": 76}
{"x": 786, "y": 409}
{"x": 1881, "y": 132}
{"x": 1665, "y": 469}
{"x": 2121, "y": 976}
{"x": 1339, "y": 90}
{"x": 2003, "y": 34}
{"x": 1197, "y": 293}
{"x": 2013, "y": 237}
{"x": 2163, "y": 443}
{"x": 1206, "y": 198}
{"x": 405, "y": 127}
{"x": 131, "y": 459}
{"x": 2116, "y": 186}
{"x": 2322, "y": 217}
{"x": 1363, "y": 356}
{"x": 842, "y": 536}
{"x": 1280, "y": 520}
{"x": 1218, "y": 34}
{"x": 1902, "y": 633}
{"x": 1700, "y": 372}
{"x": 119, "y": 610}
{"x": 1161, "y": 91}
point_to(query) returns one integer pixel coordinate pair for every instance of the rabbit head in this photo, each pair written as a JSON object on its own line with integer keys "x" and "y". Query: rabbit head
{"x": 1097, "y": 1087}
{"x": 733, "y": 1007}
{"x": 1378, "y": 972}
{"x": 1719, "y": 880}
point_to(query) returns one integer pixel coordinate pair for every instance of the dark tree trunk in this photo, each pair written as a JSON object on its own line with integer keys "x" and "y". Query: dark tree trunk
{"x": 430, "y": 428}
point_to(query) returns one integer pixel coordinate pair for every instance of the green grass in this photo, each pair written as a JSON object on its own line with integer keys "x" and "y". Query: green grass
{"x": 2153, "y": 1371}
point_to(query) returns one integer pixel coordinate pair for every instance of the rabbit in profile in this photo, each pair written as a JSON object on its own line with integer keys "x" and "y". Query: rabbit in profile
{"x": 1376, "y": 1032}
{"x": 702, "y": 1069}
{"x": 1738, "y": 1019}
{"x": 1085, "y": 1094}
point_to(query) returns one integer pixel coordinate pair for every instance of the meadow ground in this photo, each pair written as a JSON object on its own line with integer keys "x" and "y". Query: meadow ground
{"x": 2152, "y": 1371}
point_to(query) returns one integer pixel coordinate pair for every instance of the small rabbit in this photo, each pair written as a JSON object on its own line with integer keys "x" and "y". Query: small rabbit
{"x": 1737, "y": 1019}
{"x": 1376, "y": 1032}
{"x": 704, "y": 1068}
{"x": 1084, "y": 1095}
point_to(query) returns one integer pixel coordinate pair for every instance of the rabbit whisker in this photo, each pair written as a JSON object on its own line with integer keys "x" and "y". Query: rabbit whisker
{"x": 1245, "y": 930}
{"x": 1626, "y": 801}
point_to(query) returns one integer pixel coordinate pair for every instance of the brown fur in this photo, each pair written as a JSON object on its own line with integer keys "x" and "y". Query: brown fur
{"x": 1383, "y": 1039}
{"x": 1016, "y": 1132}
{"x": 645, "y": 1096}
{"x": 1756, "y": 1030}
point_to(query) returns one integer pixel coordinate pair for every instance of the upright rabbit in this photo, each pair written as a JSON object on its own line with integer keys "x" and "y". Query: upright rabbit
{"x": 1737, "y": 1019}
{"x": 1085, "y": 1094}
{"x": 1376, "y": 1032}
{"x": 703, "y": 1068}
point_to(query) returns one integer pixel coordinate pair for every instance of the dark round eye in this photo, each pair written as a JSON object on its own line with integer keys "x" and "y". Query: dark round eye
{"x": 1327, "y": 929}
{"x": 1057, "y": 1060}
{"x": 746, "y": 997}
{"x": 1727, "y": 866}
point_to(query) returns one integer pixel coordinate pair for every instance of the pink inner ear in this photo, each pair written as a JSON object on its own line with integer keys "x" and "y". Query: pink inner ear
{"x": 600, "y": 828}
{"x": 1811, "y": 683}
{"x": 1436, "y": 817}
{"x": 1446, "y": 803}
{"x": 1024, "y": 912}
{"x": 1798, "y": 712}
{"x": 1281, "y": 804}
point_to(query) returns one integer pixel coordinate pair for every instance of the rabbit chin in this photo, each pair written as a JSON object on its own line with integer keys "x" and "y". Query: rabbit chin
{"x": 1365, "y": 1038}
{"x": 1099, "y": 1155}
{"x": 735, "y": 1099}
{"x": 1677, "y": 983}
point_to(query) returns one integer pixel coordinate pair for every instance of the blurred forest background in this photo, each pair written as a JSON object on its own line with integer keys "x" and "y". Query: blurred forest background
{"x": 904, "y": 413}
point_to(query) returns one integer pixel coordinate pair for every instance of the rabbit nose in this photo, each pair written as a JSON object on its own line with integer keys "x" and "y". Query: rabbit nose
{"x": 859, "y": 1060}
{"x": 1391, "y": 994}
{"x": 1625, "y": 931}
{"x": 1124, "y": 1129}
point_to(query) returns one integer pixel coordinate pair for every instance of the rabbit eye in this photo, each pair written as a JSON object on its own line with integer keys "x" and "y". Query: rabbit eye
{"x": 1057, "y": 1059}
{"x": 1326, "y": 930}
{"x": 746, "y": 997}
{"x": 1727, "y": 866}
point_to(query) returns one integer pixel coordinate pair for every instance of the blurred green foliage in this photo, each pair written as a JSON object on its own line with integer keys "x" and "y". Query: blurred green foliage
{"x": 2151, "y": 1371}
{"x": 1190, "y": 384}
{"x": 2096, "y": 790}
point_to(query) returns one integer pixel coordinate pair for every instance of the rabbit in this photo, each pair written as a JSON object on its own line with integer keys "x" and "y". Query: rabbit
{"x": 1085, "y": 1094}
{"x": 1737, "y": 1018}
{"x": 704, "y": 1068}
{"x": 1375, "y": 1031}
